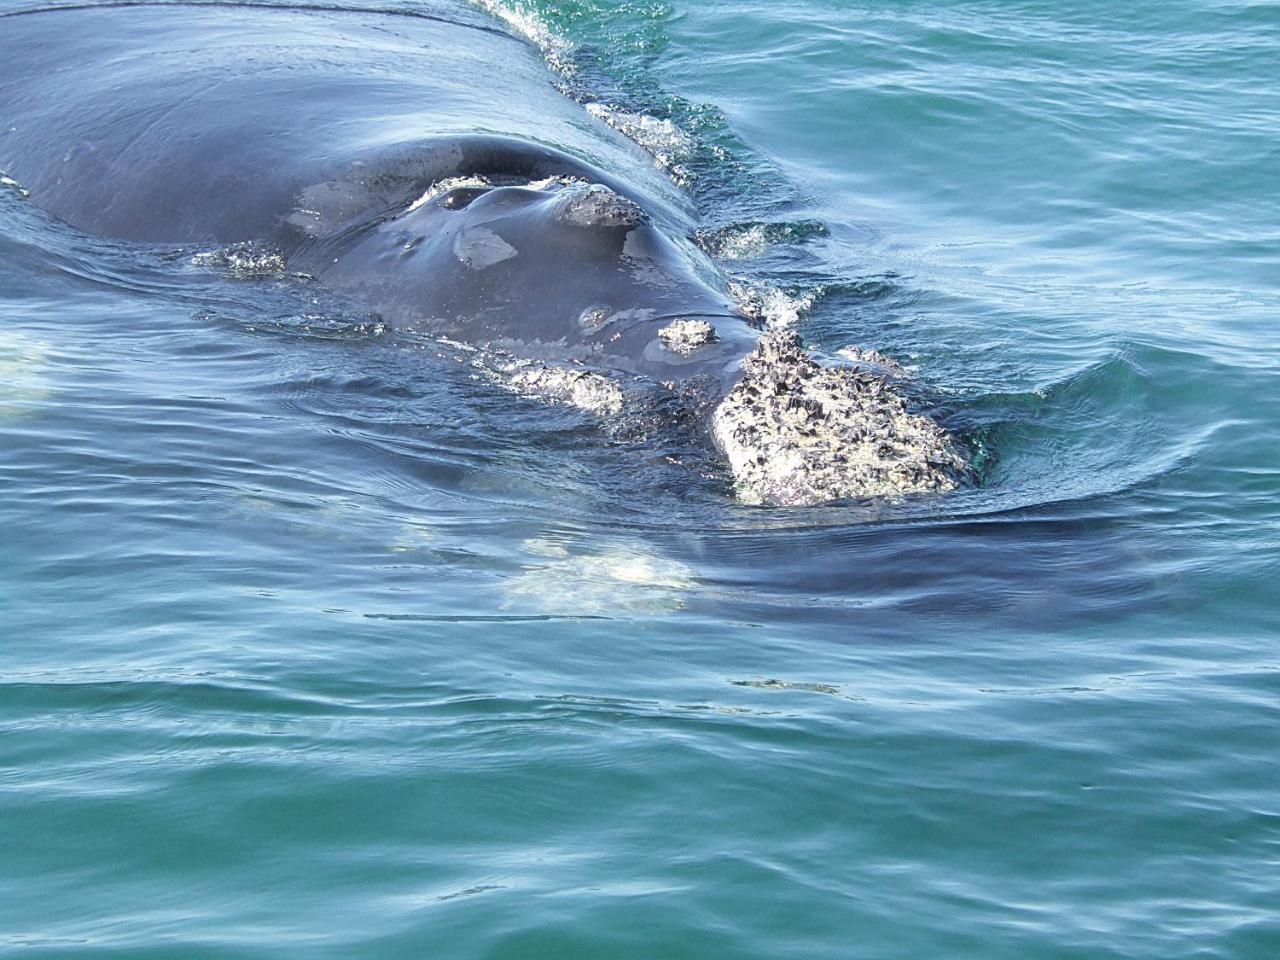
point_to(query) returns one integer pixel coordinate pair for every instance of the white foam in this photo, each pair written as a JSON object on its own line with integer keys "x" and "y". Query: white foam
{"x": 7, "y": 181}
{"x": 244, "y": 260}
{"x": 557, "y": 181}
{"x": 775, "y": 308}
{"x": 556, "y": 50}
{"x": 441, "y": 187}
{"x": 741, "y": 244}
{"x": 873, "y": 359}
{"x": 669, "y": 145}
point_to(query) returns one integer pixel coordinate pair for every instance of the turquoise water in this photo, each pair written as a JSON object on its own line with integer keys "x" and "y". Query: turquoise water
{"x": 314, "y": 645}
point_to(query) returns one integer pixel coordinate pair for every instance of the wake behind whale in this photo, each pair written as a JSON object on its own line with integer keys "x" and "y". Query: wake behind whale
{"x": 370, "y": 154}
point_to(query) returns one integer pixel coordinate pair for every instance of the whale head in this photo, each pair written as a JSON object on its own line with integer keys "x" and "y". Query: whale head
{"x": 561, "y": 265}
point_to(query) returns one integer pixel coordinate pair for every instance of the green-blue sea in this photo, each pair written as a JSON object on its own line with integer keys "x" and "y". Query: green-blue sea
{"x": 313, "y": 644}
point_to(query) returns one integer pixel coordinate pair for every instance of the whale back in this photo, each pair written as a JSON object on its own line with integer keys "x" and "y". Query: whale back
{"x": 195, "y": 124}
{"x": 173, "y": 123}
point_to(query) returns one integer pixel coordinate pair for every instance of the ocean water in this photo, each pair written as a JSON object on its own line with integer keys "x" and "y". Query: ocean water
{"x": 314, "y": 644}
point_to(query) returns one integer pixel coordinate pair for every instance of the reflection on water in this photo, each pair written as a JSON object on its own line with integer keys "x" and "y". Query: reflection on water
{"x": 23, "y": 380}
{"x": 624, "y": 580}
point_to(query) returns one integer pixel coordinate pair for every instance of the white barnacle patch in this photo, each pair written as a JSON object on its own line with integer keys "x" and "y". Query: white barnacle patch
{"x": 479, "y": 247}
{"x": 685, "y": 336}
{"x": 575, "y": 386}
{"x": 584, "y": 389}
{"x": 799, "y": 434}
{"x": 595, "y": 205}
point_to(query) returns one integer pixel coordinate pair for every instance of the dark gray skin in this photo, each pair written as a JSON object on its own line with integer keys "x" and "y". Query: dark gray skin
{"x": 572, "y": 270}
{"x": 316, "y": 131}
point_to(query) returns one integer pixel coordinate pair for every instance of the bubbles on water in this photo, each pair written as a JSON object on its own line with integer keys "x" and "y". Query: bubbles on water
{"x": 873, "y": 361}
{"x": 753, "y": 239}
{"x": 244, "y": 260}
{"x": 558, "y": 578}
{"x": 743, "y": 244}
{"x": 24, "y": 379}
{"x": 312, "y": 325}
{"x": 412, "y": 537}
{"x": 768, "y": 305}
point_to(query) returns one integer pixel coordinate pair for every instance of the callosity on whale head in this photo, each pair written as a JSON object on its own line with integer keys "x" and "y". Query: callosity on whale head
{"x": 799, "y": 434}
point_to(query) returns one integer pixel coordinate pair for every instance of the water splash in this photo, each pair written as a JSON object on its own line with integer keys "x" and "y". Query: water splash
{"x": 771, "y": 306}
{"x": 669, "y": 145}
{"x": 530, "y": 24}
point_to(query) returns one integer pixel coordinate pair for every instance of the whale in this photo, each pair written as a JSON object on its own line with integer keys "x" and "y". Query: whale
{"x": 422, "y": 162}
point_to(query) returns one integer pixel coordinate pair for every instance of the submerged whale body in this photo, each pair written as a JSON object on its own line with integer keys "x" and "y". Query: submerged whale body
{"x": 423, "y": 164}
